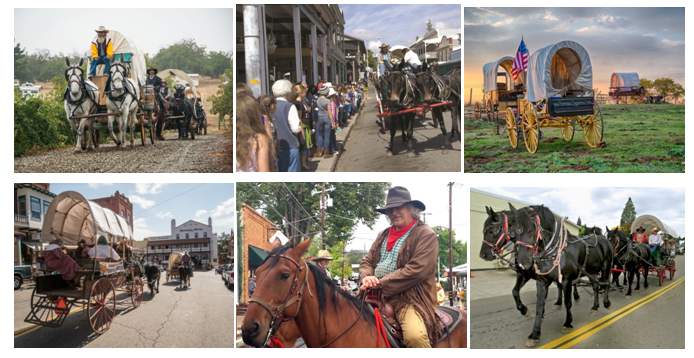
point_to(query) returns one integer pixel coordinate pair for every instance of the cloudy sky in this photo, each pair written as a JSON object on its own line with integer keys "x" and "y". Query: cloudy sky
{"x": 154, "y": 205}
{"x": 434, "y": 195}
{"x": 603, "y": 206}
{"x": 397, "y": 24}
{"x": 649, "y": 41}
{"x": 150, "y": 29}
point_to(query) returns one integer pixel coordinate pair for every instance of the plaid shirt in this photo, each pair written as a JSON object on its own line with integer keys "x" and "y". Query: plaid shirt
{"x": 388, "y": 261}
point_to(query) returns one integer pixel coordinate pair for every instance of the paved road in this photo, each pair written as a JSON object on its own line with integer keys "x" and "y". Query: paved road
{"x": 198, "y": 317}
{"x": 652, "y": 318}
{"x": 365, "y": 150}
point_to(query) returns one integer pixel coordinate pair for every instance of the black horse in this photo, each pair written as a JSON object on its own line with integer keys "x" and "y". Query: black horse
{"x": 182, "y": 106}
{"x": 184, "y": 276}
{"x": 496, "y": 236}
{"x": 630, "y": 257}
{"x": 542, "y": 249}
{"x": 436, "y": 88}
{"x": 400, "y": 95}
{"x": 153, "y": 273}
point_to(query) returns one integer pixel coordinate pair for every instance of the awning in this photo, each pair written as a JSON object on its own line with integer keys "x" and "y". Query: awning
{"x": 256, "y": 256}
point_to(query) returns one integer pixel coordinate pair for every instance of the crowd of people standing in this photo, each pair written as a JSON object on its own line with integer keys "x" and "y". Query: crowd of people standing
{"x": 282, "y": 132}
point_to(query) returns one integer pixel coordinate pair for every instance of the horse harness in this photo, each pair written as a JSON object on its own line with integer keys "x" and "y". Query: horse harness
{"x": 409, "y": 88}
{"x": 76, "y": 103}
{"x": 126, "y": 88}
{"x": 502, "y": 233}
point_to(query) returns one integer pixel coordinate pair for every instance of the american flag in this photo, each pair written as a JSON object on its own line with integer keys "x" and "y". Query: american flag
{"x": 520, "y": 62}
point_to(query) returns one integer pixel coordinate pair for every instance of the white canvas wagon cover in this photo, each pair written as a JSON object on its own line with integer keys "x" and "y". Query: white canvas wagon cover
{"x": 492, "y": 69}
{"x": 649, "y": 222}
{"x": 122, "y": 44}
{"x": 72, "y": 217}
{"x": 557, "y": 67}
{"x": 625, "y": 79}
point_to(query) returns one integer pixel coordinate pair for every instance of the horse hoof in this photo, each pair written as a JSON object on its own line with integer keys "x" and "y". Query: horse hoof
{"x": 77, "y": 151}
{"x": 527, "y": 314}
{"x": 636, "y": 290}
{"x": 566, "y": 330}
{"x": 645, "y": 288}
{"x": 609, "y": 306}
{"x": 556, "y": 307}
{"x": 410, "y": 154}
{"x": 593, "y": 312}
{"x": 444, "y": 152}
{"x": 389, "y": 154}
{"x": 530, "y": 343}
{"x": 90, "y": 149}
{"x": 628, "y": 297}
{"x": 577, "y": 300}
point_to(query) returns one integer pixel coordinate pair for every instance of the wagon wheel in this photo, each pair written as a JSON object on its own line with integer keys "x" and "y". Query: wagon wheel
{"x": 102, "y": 305}
{"x": 672, "y": 270}
{"x": 136, "y": 291}
{"x": 478, "y": 110}
{"x": 143, "y": 134}
{"x": 96, "y": 137}
{"x": 511, "y": 127}
{"x": 567, "y": 131}
{"x": 531, "y": 128}
{"x": 490, "y": 109}
{"x": 661, "y": 276}
{"x": 47, "y": 309}
{"x": 593, "y": 130}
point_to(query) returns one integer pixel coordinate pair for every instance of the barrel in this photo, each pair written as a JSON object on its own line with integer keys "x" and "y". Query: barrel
{"x": 150, "y": 96}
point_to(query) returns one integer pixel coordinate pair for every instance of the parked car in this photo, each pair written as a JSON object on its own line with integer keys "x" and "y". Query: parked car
{"x": 228, "y": 276}
{"x": 680, "y": 248}
{"x": 20, "y": 274}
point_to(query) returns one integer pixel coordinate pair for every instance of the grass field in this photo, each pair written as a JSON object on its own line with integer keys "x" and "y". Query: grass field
{"x": 639, "y": 138}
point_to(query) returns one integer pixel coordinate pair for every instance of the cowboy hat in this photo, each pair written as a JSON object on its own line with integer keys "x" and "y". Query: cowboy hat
{"x": 399, "y": 196}
{"x": 101, "y": 29}
{"x": 152, "y": 68}
{"x": 383, "y": 45}
{"x": 322, "y": 255}
{"x": 640, "y": 229}
{"x": 655, "y": 229}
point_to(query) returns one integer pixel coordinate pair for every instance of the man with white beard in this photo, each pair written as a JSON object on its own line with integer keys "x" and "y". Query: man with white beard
{"x": 102, "y": 50}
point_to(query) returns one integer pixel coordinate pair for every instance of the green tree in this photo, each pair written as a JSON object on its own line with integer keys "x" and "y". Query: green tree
{"x": 185, "y": 55}
{"x": 223, "y": 244}
{"x": 218, "y": 63}
{"x": 371, "y": 60}
{"x": 459, "y": 248}
{"x": 223, "y": 100}
{"x": 429, "y": 27}
{"x": 647, "y": 85}
{"x": 578, "y": 222}
{"x": 628, "y": 216}
{"x": 677, "y": 92}
{"x": 21, "y": 71}
{"x": 663, "y": 85}
{"x": 353, "y": 203}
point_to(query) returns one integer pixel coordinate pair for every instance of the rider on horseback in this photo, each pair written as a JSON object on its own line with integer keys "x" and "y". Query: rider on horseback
{"x": 402, "y": 263}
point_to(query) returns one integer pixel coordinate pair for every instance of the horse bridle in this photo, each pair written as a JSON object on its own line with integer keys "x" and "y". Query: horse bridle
{"x": 276, "y": 311}
{"x": 503, "y": 233}
{"x": 407, "y": 87}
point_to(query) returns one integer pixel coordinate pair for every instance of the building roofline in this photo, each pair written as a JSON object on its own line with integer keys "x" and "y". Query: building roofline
{"x": 518, "y": 201}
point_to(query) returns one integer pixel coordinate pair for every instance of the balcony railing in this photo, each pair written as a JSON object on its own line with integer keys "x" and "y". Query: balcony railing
{"x": 18, "y": 218}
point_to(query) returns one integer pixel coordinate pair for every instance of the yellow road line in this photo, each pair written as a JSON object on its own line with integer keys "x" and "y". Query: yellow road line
{"x": 23, "y": 331}
{"x": 611, "y": 317}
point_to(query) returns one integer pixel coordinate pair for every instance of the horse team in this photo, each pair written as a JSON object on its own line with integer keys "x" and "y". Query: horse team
{"x": 405, "y": 89}
{"x": 545, "y": 251}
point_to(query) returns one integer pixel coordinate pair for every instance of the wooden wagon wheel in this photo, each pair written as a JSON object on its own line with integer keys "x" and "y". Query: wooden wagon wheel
{"x": 490, "y": 109}
{"x": 511, "y": 127}
{"x": 96, "y": 137}
{"x": 661, "y": 276}
{"x": 567, "y": 131}
{"x": 531, "y": 128}
{"x": 478, "y": 110}
{"x": 593, "y": 129}
{"x": 137, "y": 290}
{"x": 48, "y": 309}
{"x": 102, "y": 305}
{"x": 672, "y": 270}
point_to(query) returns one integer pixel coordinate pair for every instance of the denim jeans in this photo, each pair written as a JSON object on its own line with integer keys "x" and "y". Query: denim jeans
{"x": 333, "y": 142}
{"x": 98, "y": 61}
{"x": 288, "y": 160}
{"x": 382, "y": 69}
{"x": 323, "y": 132}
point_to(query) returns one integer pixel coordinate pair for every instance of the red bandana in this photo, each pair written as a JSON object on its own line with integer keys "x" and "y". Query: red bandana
{"x": 394, "y": 234}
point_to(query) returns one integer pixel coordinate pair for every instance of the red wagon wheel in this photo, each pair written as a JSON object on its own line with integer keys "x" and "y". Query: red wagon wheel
{"x": 661, "y": 276}
{"x": 672, "y": 270}
{"x": 102, "y": 305}
{"x": 137, "y": 290}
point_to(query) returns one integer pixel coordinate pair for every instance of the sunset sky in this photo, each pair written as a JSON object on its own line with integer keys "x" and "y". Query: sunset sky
{"x": 649, "y": 41}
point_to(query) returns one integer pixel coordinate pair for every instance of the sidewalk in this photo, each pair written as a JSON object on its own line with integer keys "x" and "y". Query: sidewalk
{"x": 495, "y": 283}
{"x": 328, "y": 165}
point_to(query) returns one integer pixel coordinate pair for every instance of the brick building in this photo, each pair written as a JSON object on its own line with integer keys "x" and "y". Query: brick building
{"x": 119, "y": 204}
{"x": 259, "y": 235}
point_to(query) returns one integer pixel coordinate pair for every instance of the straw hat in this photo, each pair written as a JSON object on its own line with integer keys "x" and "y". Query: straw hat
{"x": 322, "y": 255}
{"x": 399, "y": 196}
{"x": 331, "y": 92}
{"x": 655, "y": 229}
{"x": 383, "y": 45}
{"x": 101, "y": 29}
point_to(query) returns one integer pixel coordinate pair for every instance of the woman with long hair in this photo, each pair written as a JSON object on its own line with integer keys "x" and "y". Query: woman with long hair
{"x": 254, "y": 148}
{"x": 305, "y": 135}
{"x": 268, "y": 107}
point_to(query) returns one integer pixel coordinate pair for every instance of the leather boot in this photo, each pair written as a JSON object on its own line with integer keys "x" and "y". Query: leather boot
{"x": 319, "y": 152}
{"x": 304, "y": 162}
{"x": 326, "y": 154}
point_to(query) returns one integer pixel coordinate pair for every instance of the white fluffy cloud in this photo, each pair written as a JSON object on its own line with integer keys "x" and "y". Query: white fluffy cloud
{"x": 141, "y": 229}
{"x": 200, "y": 213}
{"x": 142, "y": 202}
{"x": 164, "y": 215}
{"x": 149, "y": 188}
{"x": 225, "y": 208}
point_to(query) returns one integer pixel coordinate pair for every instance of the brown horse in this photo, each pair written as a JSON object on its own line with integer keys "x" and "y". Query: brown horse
{"x": 325, "y": 315}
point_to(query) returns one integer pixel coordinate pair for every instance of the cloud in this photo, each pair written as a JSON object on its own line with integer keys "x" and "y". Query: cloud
{"x": 141, "y": 229}
{"x": 164, "y": 215}
{"x": 149, "y": 188}
{"x": 226, "y": 208}
{"x": 142, "y": 202}
{"x": 672, "y": 43}
{"x": 96, "y": 185}
{"x": 440, "y": 25}
{"x": 364, "y": 34}
{"x": 200, "y": 213}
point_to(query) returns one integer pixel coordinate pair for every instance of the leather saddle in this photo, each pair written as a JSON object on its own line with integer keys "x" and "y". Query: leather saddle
{"x": 447, "y": 317}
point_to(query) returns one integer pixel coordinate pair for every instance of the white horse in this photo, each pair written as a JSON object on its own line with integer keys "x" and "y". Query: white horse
{"x": 81, "y": 98}
{"x": 123, "y": 93}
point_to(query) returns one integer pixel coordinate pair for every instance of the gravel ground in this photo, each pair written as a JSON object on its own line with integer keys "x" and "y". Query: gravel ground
{"x": 206, "y": 154}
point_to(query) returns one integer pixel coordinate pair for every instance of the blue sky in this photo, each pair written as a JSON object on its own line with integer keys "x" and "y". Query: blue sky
{"x": 649, "y": 41}
{"x": 397, "y": 24}
{"x": 154, "y": 205}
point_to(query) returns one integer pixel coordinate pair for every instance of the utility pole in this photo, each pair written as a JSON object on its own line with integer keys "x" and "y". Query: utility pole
{"x": 438, "y": 260}
{"x": 424, "y": 215}
{"x": 450, "y": 241}
{"x": 343, "y": 263}
{"x": 323, "y": 215}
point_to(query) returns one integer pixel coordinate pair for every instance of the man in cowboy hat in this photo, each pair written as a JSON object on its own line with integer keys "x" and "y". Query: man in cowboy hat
{"x": 654, "y": 241}
{"x": 402, "y": 263}
{"x": 640, "y": 237}
{"x": 102, "y": 51}
{"x": 383, "y": 56}
{"x": 322, "y": 260}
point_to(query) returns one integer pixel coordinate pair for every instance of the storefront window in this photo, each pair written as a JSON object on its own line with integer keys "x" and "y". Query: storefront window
{"x": 178, "y": 236}
{"x": 22, "y": 204}
{"x": 46, "y": 204}
{"x": 196, "y": 235}
{"x": 187, "y": 235}
{"x": 35, "y": 208}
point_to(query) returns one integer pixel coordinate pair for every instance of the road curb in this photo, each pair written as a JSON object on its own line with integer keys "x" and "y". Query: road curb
{"x": 333, "y": 164}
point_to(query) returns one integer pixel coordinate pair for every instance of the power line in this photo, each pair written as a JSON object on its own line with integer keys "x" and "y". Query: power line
{"x": 167, "y": 200}
{"x": 273, "y": 208}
